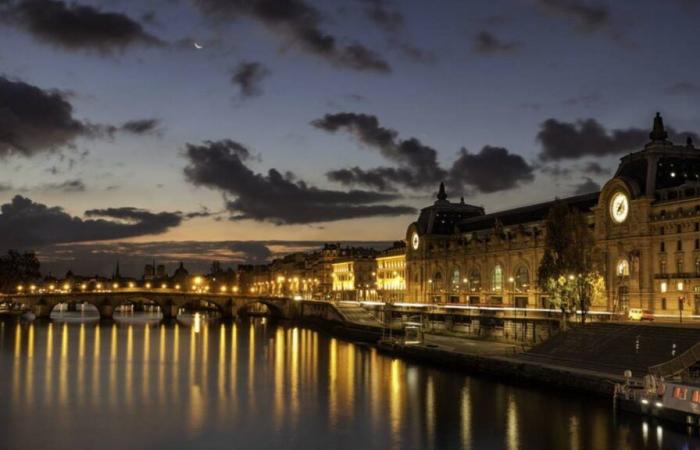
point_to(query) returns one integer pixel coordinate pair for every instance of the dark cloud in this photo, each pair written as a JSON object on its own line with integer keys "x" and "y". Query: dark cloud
{"x": 300, "y": 23}
{"x": 486, "y": 43}
{"x": 587, "y": 187}
{"x": 418, "y": 164}
{"x": 567, "y": 140}
{"x": 27, "y": 224}
{"x": 141, "y": 126}
{"x": 556, "y": 171}
{"x": 75, "y": 26}
{"x": 248, "y": 77}
{"x": 33, "y": 120}
{"x": 683, "y": 88}
{"x": 276, "y": 197}
{"x": 253, "y": 252}
{"x": 492, "y": 169}
{"x": 383, "y": 15}
{"x": 380, "y": 178}
{"x": 588, "y": 17}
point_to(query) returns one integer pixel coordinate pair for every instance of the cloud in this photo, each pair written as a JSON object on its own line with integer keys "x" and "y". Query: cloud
{"x": 248, "y": 78}
{"x": 27, "y": 224}
{"x": 587, "y": 17}
{"x": 251, "y": 251}
{"x": 573, "y": 140}
{"x": 486, "y": 43}
{"x": 587, "y": 187}
{"x": 683, "y": 88}
{"x": 276, "y": 197}
{"x": 67, "y": 186}
{"x": 492, "y": 169}
{"x": 595, "y": 169}
{"x": 141, "y": 126}
{"x": 300, "y": 23}
{"x": 387, "y": 18}
{"x": 418, "y": 164}
{"x": 74, "y": 26}
{"x": 33, "y": 120}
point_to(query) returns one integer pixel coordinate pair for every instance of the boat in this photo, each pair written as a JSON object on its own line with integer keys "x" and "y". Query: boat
{"x": 675, "y": 401}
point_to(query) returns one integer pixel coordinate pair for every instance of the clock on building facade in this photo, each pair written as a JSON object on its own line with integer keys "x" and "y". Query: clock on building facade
{"x": 415, "y": 241}
{"x": 619, "y": 207}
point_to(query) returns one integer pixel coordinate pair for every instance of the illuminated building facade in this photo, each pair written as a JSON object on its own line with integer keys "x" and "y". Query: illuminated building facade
{"x": 391, "y": 274}
{"x": 646, "y": 223}
{"x": 354, "y": 276}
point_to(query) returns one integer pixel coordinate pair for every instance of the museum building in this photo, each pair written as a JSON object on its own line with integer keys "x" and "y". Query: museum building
{"x": 646, "y": 223}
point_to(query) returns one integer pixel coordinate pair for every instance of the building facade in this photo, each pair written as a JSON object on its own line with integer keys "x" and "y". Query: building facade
{"x": 391, "y": 274}
{"x": 646, "y": 223}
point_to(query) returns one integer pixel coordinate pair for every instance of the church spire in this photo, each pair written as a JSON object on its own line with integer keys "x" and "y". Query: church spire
{"x": 442, "y": 196}
{"x": 658, "y": 133}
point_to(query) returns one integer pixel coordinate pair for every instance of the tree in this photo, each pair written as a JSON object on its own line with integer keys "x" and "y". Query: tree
{"x": 569, "y": 269}
{"x": 17, "y": 268}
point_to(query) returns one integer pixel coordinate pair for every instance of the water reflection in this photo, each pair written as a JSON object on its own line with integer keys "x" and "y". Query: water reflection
{"x": 262, "y": 385}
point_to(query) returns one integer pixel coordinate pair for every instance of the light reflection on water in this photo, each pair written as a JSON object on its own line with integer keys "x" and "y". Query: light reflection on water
{"x": 261, "y": 385}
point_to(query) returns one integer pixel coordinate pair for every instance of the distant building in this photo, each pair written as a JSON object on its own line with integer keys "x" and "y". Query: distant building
{"x": 181, "y": 275}
{"x": 391, "y": 273}
{"x": 354, "y": 275}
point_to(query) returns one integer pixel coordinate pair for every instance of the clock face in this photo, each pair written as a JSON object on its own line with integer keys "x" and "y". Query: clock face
{"x": 619, "y": 207}
{"x": 415, "y": 241}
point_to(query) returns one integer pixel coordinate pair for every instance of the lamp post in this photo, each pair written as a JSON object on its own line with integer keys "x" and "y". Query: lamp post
{"x": 681, "y": 300}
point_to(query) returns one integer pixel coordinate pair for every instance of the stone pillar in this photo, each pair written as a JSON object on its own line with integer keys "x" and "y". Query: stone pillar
{"x": 41, "y": 310}
{"x": 106, "y": 311}
{"x": 169, "y": 311}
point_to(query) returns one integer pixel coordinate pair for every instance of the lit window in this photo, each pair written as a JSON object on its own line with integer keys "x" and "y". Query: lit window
{"x": 680, "y": 393}
{"x": 664, "y": 286}
{"x": 497, "y": 278}
{"x": 696, "y": 397}
{"x": 623, "y": 268}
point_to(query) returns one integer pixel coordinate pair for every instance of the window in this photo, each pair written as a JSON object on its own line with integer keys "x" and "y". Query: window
{"x": 679, "y": 266}
{"x": 544, "y": 303}
{"x": 662, "y": 267}
{"x": 662, "y": 230}
{"x": 697, "y": 225}
{"x": 697, "y": 244}
{"x": 679, "y": 246}
{"x": 497, "y": 278}
{"x": 697, "y": 266}
{"x": 474, "y": 280}
{"x": 680, "y": 393}
{"x": 473, "y": 300}
{"x": 662, "y": 247}
{"x": 678, "y": 228}
{"x": 696, "y": 397}
{"x": 664, "y": 286}
{"x": 455, "y": 278}
{"x": 522, "y": 279}
{"x": 623, "y": 268}
{"x": 663, "y": 303}
{"x": 521, "y": 302}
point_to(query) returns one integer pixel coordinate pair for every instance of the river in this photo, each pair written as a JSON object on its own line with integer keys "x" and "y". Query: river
{"x": 256, "y": 384}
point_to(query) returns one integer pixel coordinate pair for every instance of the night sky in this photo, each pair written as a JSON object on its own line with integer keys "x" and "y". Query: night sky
{"x": 182, "y": 129}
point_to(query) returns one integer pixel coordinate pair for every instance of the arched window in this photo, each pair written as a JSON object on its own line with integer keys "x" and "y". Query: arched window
{"x": 497, "y": 278}
{"x": 474, "y": 280}
{"x": 455, "y": 278}
{"x": 623, "y": 268}
{"x": 522, "y": 279}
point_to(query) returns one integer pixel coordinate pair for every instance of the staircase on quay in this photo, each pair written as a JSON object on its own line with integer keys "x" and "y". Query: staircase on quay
{"x": 613, "y": 348}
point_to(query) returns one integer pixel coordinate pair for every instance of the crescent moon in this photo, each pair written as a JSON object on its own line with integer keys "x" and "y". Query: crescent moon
{"x": 198, "y": 46}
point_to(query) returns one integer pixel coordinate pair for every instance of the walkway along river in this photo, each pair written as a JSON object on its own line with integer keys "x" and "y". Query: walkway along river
{"x": 258, "y": 384}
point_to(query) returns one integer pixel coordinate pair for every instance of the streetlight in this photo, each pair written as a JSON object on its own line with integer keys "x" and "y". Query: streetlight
{"x": 681, "y": 300}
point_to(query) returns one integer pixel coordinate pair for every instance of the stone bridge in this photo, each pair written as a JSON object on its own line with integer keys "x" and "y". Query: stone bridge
{"x": 169, "y": 302}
